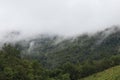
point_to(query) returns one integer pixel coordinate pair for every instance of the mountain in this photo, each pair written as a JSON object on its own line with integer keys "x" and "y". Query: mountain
{"x": 54, "y": 50}
{"x": 54, "y": 57}
{"x": 109, "y": 74}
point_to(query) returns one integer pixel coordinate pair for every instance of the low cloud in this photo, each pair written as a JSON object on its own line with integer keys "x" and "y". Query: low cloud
{"x": 64, "y": 17}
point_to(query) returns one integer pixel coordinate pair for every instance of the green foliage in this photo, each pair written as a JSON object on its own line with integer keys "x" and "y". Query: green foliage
{"x": 51, "y": 54}
{"x": 12, "y": 67}
{"x": 109, "y": 74}
{"x": 68, "y": 60}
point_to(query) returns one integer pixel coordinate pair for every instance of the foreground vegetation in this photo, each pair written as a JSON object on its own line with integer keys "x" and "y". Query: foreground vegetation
{"x": 14, "y": 67}
{"x": 109, "y": 74}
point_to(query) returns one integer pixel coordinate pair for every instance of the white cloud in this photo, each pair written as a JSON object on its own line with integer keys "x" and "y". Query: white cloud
{"x": 66, "y": 17}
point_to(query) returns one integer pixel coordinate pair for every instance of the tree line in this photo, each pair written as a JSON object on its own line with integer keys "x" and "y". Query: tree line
{"x": 14, "y": 67}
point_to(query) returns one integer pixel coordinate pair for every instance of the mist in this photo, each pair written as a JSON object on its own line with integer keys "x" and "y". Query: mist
{"x": 63, "y": 17}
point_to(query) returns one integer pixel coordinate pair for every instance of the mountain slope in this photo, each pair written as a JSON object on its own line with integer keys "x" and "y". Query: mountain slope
{"x": 72, "y": 58}
{"x": 53, "y": 51}
{"x": 109, "y": 74}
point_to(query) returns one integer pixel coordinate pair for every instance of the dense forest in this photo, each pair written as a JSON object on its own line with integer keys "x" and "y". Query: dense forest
{"x": 52, "y": 58}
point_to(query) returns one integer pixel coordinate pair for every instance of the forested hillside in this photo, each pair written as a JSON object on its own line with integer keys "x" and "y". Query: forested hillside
{"x": 51, "y": 57}
{"x": 52, "y": 50}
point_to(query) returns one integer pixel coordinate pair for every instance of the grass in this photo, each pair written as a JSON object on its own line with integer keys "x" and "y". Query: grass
{"x": 109, "y": 74}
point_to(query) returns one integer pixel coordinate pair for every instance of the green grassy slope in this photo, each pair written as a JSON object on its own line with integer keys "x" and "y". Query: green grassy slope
{"x": 109, "y": 74}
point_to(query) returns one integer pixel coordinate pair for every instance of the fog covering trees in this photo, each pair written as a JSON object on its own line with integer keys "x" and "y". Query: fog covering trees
{"x": 76, "y": 59}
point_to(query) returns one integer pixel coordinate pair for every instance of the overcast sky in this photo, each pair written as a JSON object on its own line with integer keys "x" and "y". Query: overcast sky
{"x": 66, "y": 17}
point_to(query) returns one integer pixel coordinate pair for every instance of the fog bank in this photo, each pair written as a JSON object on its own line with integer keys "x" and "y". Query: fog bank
{"x": 64, "y": 17}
